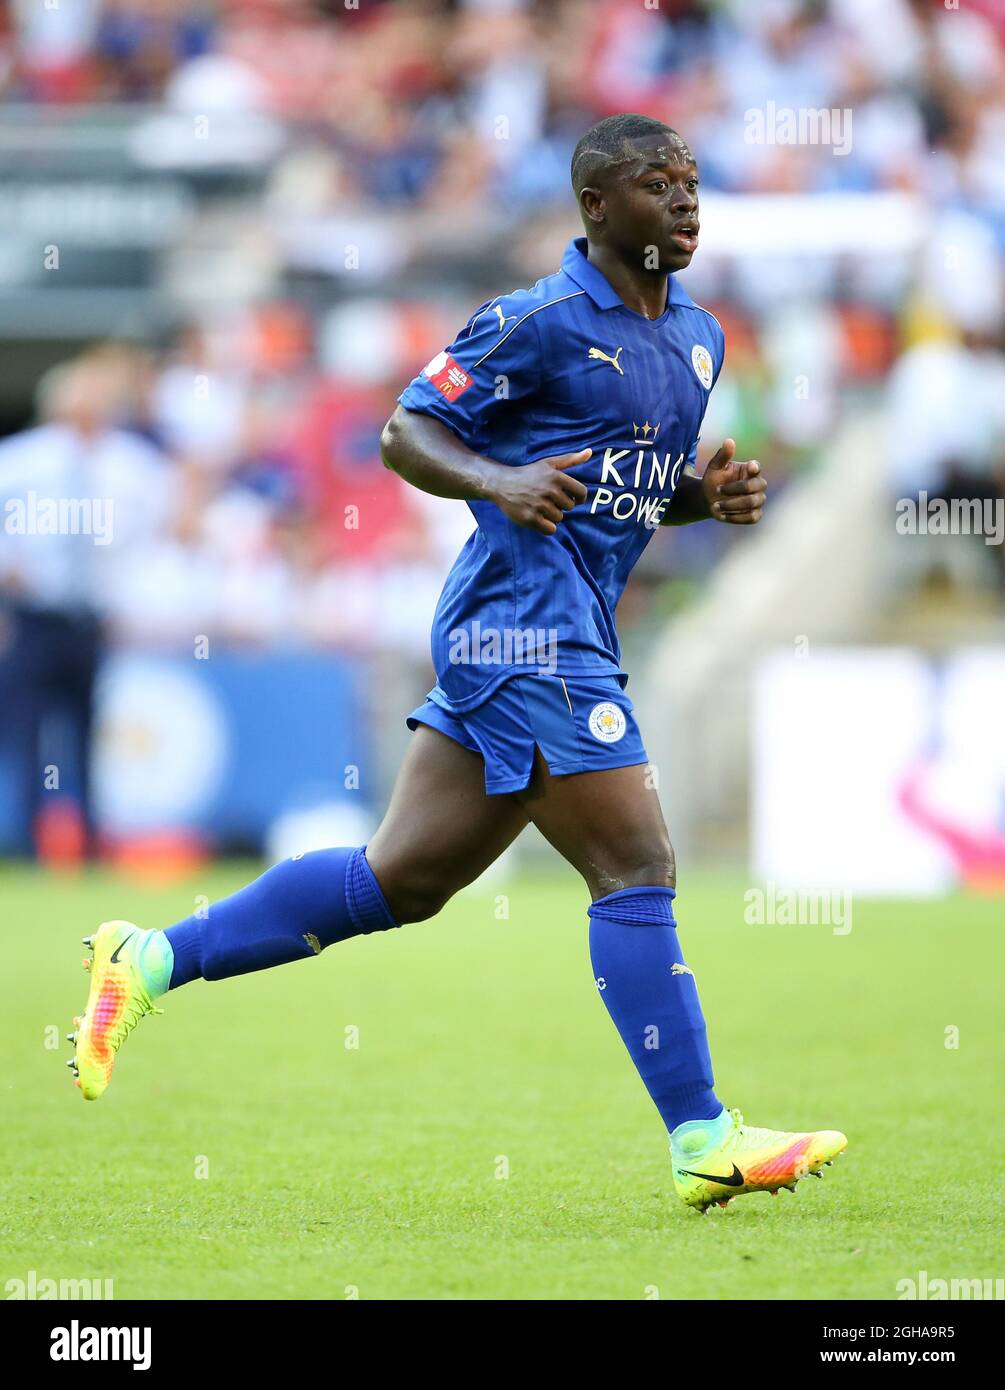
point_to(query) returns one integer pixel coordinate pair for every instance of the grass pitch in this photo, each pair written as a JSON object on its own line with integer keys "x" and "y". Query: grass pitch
{"x": 488, "y": 1136}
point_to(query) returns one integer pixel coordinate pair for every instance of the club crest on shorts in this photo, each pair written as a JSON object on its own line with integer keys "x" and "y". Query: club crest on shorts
{"x": 607, "y": 722}
{"x": 701, "y": 361}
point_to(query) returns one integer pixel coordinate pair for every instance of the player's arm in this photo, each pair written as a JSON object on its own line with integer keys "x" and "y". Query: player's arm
{"x": 729, "y": 490}
{"x": 444, "y": 421}
{"x": 423, "y": 451}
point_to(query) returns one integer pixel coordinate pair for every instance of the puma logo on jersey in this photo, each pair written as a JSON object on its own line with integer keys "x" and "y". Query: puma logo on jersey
{"x": 602, "y": 356}
{"x": 497, "y": 309}
{"x": 678, "y": 969}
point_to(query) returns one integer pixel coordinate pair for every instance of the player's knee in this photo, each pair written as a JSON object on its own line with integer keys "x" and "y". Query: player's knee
{"x": 644, "y": 866}
{"x": 415, "y": 895}
{"x": 654, "y": 871}
{"x": 663, "y": 871}
{"x": 420, "y": 906}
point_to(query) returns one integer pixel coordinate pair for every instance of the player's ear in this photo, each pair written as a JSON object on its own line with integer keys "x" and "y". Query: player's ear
{"x": 593, "y": 204}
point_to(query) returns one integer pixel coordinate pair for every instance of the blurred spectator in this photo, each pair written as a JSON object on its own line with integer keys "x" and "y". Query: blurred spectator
{"x": 81, "y": 499}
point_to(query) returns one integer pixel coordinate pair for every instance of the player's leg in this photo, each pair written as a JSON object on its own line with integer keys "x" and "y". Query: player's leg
{"x": 609, "y": 826}
{"x": 442, "y": 830}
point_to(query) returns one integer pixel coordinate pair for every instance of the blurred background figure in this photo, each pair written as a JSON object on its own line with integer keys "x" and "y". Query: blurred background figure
{"x": 81, "y": 498}
{"x": 231, "y": 232}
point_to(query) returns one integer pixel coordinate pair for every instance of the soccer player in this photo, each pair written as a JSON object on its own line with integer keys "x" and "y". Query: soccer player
{"x": 567, "y": 416}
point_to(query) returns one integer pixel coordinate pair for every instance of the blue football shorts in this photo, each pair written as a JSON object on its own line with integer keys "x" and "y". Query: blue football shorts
{"x": 580, "y": 724}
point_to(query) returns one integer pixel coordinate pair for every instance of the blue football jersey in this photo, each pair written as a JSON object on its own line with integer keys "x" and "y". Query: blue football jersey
{"x": 554, "y": 369}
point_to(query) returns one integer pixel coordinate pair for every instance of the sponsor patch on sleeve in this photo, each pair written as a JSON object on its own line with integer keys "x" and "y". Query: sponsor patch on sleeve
{"x": 448, "y": 376}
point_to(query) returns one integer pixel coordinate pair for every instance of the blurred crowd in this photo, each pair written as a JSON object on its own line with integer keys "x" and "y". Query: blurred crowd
{"x": 415, "y": 161}
{"x": 233, "y": 499}
{"x": 396, "y": 89}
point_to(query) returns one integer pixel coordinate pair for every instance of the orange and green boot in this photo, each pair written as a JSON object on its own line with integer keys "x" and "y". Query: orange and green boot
{"x": 717, "y": 1160}
{"x": 130, "y": 967}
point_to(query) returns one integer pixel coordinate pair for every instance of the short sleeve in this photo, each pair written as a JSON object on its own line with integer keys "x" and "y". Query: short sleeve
{"x": 720, "y": 355}
{"x": 718, "y": 358}
{"x": 493, "y": 361}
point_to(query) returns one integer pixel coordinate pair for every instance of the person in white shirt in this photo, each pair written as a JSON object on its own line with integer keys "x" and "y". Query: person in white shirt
{"x": 78, "y": 499}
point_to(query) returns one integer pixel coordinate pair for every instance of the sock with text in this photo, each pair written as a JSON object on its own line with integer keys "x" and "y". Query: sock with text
{"x": 652, "y": 998}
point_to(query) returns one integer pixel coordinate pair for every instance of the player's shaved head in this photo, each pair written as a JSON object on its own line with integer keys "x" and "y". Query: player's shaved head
{"x": 615, "y": 141}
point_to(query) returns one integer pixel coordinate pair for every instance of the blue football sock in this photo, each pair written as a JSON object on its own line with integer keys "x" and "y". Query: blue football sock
{"x": 655, "y": 1008}
{"x": 295, "y": 909}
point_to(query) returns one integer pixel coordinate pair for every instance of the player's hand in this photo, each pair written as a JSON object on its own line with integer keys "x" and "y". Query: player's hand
{"x": 539, "y": 494}
{"x": 734, "y": 490}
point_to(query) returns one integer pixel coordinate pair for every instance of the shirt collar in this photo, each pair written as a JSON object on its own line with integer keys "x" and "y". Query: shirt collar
{"x": 597, "y": 286}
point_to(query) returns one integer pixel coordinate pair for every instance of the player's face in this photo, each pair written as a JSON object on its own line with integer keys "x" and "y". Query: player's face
{"x": 653, "y": 202}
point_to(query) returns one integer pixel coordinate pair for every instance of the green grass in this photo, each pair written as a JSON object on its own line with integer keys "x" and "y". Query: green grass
{"x": 482, "y": 1043}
